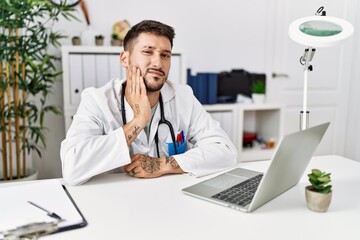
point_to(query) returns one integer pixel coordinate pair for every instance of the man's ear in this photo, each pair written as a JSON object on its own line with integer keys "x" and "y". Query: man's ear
{"x": 124, "y": 59}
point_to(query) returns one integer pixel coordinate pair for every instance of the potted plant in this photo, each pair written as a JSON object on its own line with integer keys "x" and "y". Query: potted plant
{"x": 76, "y": 40}
{"x": 27, "y": 74}
{"x": 319, "y": 193}
{"x": 99, "y": 40}
{"x": 115, "y": 41}
{"x": 258, "y": 89}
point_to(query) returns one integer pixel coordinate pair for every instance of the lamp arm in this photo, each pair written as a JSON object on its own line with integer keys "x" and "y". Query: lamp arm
{"x": 305, "y": 61}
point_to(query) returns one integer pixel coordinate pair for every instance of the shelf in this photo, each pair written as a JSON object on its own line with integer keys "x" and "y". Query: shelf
{"x": 221, "y": 107}
{"x": 257, "y": 152}
{"x": 263, "y": 119}
{"x": 92, "y": 49}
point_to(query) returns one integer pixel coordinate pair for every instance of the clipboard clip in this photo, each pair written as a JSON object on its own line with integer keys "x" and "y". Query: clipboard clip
{"x": 30, "y": 231}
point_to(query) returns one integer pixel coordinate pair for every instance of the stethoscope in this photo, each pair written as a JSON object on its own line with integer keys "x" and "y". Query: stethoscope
{"x": 161, "y": 121}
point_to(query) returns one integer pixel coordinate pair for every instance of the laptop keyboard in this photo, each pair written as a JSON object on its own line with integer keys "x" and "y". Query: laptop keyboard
{"x": 242, "y": 193}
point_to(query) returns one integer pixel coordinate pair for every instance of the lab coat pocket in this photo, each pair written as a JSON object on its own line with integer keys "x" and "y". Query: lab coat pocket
{"x": 180, "y": 144}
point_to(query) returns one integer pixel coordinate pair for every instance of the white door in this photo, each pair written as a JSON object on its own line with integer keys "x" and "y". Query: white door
{"x": 327, "y": 83}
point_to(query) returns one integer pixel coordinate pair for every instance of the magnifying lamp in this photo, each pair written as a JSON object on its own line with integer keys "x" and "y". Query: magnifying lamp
{"x": 313, "y": 32}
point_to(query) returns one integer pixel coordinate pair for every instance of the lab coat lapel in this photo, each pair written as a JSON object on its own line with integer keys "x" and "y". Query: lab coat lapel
{"x": 154, "y": 124}
{"x": 167, "y": 93}
{"x": 128, "y": 110}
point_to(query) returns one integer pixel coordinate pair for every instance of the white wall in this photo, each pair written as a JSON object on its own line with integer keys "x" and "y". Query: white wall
{"x": 214, "y": 35}
{"x": 352, "y": 149}
{"x": 216, "y": 31}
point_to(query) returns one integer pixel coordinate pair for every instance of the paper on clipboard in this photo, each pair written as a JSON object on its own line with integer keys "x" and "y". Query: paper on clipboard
{"x": 49, "y": 194}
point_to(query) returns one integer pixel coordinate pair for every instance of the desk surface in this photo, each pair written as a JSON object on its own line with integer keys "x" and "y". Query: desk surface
{"x": 117, "y": 206}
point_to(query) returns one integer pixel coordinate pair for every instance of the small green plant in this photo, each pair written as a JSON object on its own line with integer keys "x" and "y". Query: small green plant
{"x": 258, "y": 87}
{"x": 98, "y": 37}
{"x": 114, "y": 36}
{"x": 320, "y": 181}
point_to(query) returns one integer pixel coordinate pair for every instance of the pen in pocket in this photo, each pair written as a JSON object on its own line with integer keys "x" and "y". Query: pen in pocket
{"x": 180, "y": 138}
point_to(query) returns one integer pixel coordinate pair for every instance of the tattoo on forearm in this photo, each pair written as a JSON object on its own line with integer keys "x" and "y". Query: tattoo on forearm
{"x": 172, "y": 162}
{"x": 137, "y": 107}
{"x": 150, "y": 164}
{"x": 134, "y": 132}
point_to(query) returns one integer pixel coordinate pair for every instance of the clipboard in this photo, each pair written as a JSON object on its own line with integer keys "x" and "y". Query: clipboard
{"x": 81, "y": 224}
{"x": 18, "y": 216}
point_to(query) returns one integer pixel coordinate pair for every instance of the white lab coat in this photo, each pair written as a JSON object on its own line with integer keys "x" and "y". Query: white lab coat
{"x": 95, "y": 142}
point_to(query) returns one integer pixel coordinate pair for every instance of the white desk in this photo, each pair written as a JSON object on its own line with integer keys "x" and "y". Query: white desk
{"x": 117, "y": 206}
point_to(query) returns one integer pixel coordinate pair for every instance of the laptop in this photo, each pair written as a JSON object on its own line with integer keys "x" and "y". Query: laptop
{"x": 247, "y": 190}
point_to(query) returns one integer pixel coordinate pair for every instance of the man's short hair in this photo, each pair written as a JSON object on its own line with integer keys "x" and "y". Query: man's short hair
{"x": 148, "y": 26}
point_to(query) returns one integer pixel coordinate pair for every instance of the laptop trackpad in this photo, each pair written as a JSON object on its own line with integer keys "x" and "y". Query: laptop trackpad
{"x": 224, "y": 181}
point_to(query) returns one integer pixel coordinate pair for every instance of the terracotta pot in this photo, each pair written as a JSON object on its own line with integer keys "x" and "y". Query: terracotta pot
{"x": 317, "y": 202}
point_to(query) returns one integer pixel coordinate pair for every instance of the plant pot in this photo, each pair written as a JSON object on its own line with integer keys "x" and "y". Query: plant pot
{"x": 99, "y": 42}
{"x": 76, "y": 41}
{"x": 31, "y": 174}
{"x": 258, "y": 97}
{"x": 116, "y": 42}
{"x": 316, "y": 201}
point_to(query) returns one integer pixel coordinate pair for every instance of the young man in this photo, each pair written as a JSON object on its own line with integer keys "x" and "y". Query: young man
{"x": 144, "y": 125}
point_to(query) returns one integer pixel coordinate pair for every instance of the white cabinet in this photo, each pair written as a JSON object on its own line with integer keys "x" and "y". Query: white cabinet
{"x": 262, "y": 119}
{"x": 87, "y": 66}
{"x": 226, "y": 115}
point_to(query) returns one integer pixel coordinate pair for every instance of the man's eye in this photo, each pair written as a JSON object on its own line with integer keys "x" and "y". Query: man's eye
{"x": 164, "y": 55}
{"x": 147, "y": 52}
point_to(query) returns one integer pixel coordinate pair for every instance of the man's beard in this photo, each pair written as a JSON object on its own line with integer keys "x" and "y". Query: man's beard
{"x": 157, "y": 85}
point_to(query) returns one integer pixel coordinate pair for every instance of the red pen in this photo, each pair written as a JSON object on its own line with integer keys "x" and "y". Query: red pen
{"x": 178, "y": 139}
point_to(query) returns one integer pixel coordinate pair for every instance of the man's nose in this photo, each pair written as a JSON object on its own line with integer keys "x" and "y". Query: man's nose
{"x": 156, "y": 61}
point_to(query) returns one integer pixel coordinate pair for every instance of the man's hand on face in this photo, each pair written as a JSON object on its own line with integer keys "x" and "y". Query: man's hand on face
{"x": 135, "y": 93}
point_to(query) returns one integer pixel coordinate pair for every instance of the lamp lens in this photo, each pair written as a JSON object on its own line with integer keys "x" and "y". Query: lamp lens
{"x": 320, "y": 28}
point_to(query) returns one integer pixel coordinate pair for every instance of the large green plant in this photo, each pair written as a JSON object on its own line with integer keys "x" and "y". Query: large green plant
{"x": 27, "y": 75}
